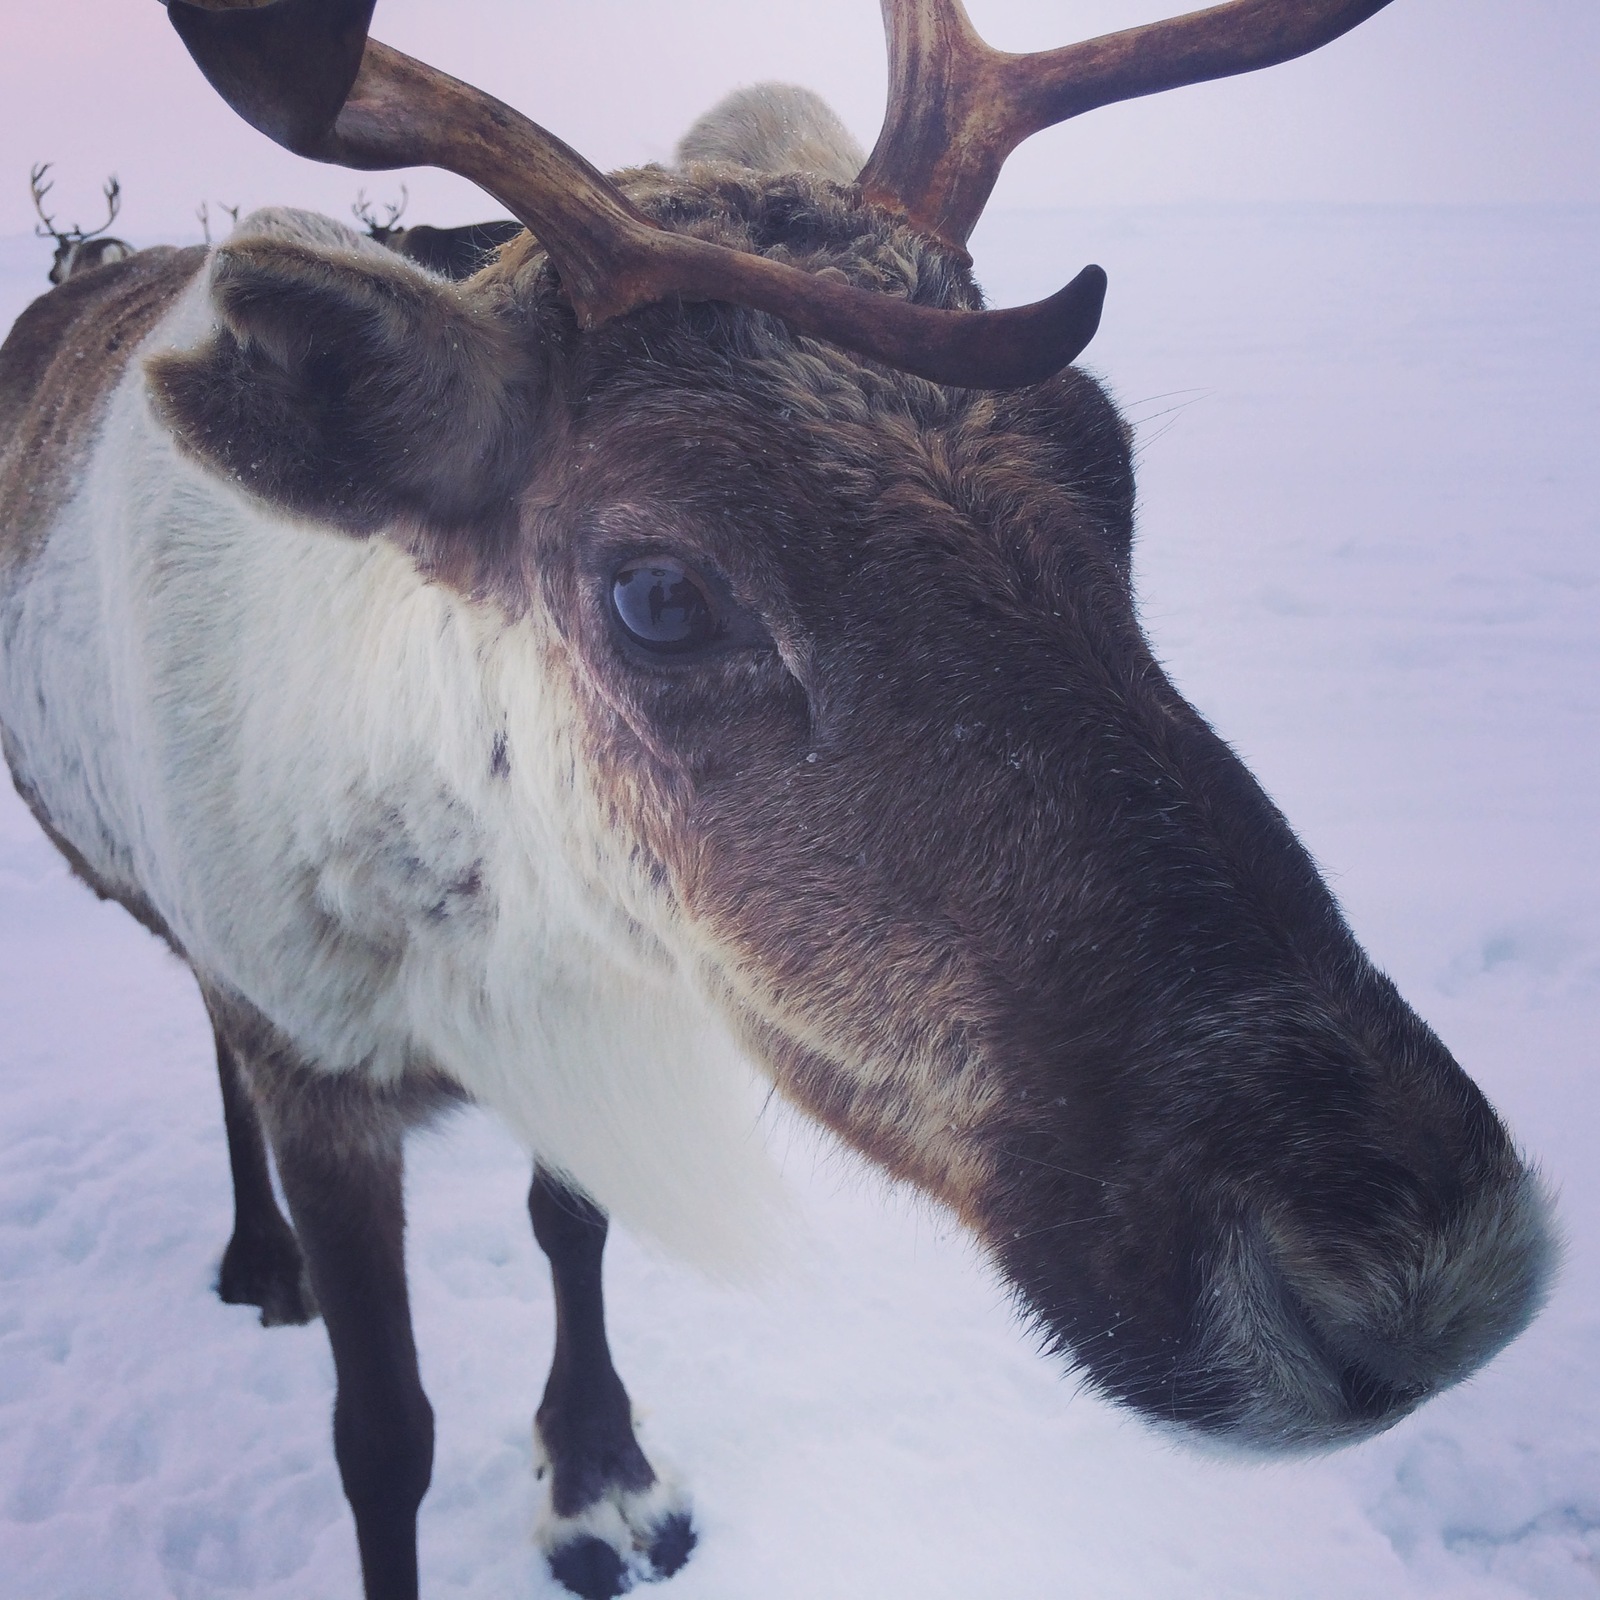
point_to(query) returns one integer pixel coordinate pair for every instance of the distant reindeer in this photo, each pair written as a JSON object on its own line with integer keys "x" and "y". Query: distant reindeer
{"x": 203, "y": 216}
{"x": 76, "y": 250}
{"x": 362, "y": 211}
{"x": 452, "y": 252}
{"x": 709, "y": 623}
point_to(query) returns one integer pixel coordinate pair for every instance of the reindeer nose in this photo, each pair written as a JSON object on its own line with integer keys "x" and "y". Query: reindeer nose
{"x": 1327, "y": 1347}
{"x": 1368, "y": 1376}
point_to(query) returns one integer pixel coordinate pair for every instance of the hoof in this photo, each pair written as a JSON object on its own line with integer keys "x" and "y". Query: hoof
{"x": 623, "y": 1538}
{"x": 591, "y": 1568}
{"x": 672, "y": 1545}
{"x": 267, "y": 1272}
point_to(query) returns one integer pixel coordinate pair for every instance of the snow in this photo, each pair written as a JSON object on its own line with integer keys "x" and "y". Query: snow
{"x": 1368, "y": 550}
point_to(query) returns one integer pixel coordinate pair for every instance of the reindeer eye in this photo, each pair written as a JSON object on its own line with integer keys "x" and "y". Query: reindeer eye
{"x": 665, "y": 607}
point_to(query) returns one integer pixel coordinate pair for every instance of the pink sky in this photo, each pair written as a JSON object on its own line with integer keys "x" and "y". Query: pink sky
{"x": 1432, "y": 100}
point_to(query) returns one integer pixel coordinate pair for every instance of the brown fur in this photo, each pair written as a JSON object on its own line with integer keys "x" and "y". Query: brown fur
{"x": 59, "y": 364}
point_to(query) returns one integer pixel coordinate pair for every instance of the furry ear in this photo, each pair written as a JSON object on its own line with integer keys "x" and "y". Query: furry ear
{"x": 359, "y": 392}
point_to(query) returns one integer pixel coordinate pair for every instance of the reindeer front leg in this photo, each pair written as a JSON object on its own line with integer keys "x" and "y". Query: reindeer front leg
{"x": 610, "y": 1518}
{"x": 339, "y": 1153}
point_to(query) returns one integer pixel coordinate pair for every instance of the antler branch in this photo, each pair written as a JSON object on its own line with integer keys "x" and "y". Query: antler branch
{"x": 305, "y": 74}
{"x": 113, "y": 194}
{"x": 74, "y": 234}
{"x": 958, "y": 107}
{"x": 39, "y": 189}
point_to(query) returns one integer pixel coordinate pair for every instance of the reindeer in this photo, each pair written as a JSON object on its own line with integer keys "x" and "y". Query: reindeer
{"x": 706, "y": 627}
{"x": 381, "y": 231}
{"x": 452, "y": 252}
{"x": 202, "y": 214}
{"x": 77, "y": 251}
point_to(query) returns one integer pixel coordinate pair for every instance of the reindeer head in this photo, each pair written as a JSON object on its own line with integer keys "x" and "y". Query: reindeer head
{"x": 829, "y": 570}
{"x": 381, "y": 231}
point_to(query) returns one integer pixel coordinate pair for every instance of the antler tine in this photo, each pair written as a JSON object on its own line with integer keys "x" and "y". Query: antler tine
{"x": 39, "y": 189}
{"x": 113, "y": 194}
{"x": 958, "y": 107}
{"x": 305, "y": 73}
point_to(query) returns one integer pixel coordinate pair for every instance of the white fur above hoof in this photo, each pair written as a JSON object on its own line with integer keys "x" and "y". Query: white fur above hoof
{"x": 623, "y": 1538}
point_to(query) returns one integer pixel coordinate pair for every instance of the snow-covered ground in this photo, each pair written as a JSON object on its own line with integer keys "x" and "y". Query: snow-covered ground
{"x": 1370, "y": 551}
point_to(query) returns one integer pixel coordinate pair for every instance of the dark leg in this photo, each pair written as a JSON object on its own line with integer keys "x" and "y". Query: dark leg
{"x": 611, "y": 1520}
{"x": 340, "y": 1160}
{"x": 262, "y": 1265}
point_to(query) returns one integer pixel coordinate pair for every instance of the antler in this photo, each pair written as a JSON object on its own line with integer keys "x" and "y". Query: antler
{"x": 958, "y": 107}
{"x": 304, "y": 73}
{"x": 39, "y": 189}
{"x": 203, "y": 212}
{"x": 113, "y": 194}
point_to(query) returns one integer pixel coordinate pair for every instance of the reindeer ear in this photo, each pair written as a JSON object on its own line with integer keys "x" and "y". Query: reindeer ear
{"x": 357, "y": 391}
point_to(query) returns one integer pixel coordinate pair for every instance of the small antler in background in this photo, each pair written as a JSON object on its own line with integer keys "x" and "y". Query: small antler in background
{"x": 113, "y": 194}
{"x": 39, "y": 189}
{"x": 76, "y": 233}
{"x": 363, "y": 213}
{"x": 203, "y": 212}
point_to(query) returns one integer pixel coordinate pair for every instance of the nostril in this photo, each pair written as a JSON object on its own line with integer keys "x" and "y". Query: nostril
{"x": 1370, "y": 1396}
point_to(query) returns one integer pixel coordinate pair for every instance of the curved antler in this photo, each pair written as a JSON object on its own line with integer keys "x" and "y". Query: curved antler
{"x": 76, "y": 234}
{"x": 39, "y": 189}
{"x": 958, "y": 107}
{"x": 113, "y": 194}
{"x": 304, "y": 73}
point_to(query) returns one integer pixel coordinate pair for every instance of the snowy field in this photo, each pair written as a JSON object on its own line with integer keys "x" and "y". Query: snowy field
{"x": 1370, "y": 552}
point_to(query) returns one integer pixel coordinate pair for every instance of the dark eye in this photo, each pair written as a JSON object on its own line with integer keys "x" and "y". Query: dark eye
{"x": 664, "y": 606}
